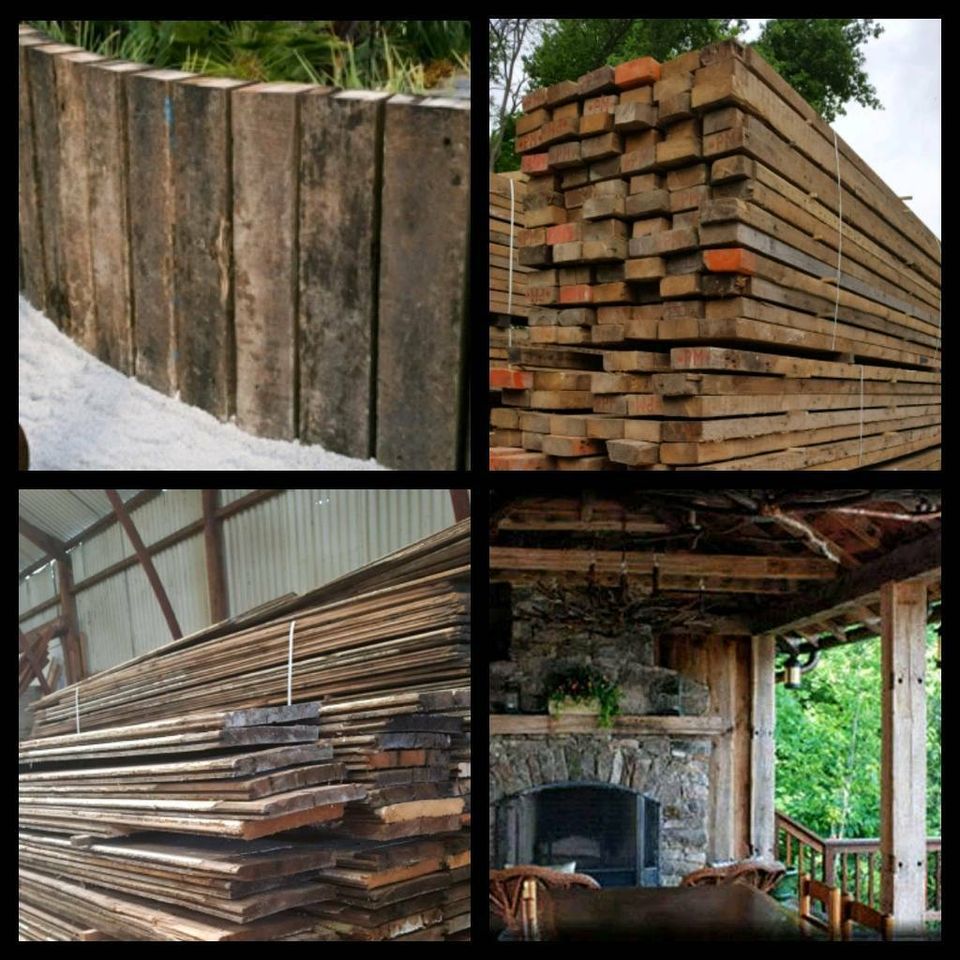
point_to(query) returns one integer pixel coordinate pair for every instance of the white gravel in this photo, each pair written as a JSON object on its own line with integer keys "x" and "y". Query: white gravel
{"x": 80, "y": 414}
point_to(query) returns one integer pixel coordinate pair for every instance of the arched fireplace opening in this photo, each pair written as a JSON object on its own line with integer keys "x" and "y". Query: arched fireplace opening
{"x": 608, "y": 831}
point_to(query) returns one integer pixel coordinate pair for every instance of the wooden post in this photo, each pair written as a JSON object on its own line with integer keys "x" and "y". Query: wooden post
{"x": 423, "y": 283}
{"x": 109, "y": 223}
{"x": 31, "y": 240}
{"x": 763, "y": 834}
{"x": 150, "y": 136}
{"x": 461, "y": 504}
{"x": 203, "y": 224}
{"x": 74, "y": 661}
{"x": 145, "y": 561}
{"x": 45, "y": 108}
{"x": 75, "y": 214}
{"x": 903, "y": 771}
{"x": 265, "y": 158}
{"x": 340, "y": 177}
{"x": 213, "y": 549}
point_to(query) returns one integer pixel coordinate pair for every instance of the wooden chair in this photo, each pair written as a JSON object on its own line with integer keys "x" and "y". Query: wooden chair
{"x": 764, "y": 875}
{"x": 852, "y": 911}
{"x": 814, "y": 891}
{"x": 513, "y": 893}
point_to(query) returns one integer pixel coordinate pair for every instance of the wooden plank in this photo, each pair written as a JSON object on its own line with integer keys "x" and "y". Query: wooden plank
{"x": 763, "y": 834}
{"x": 45, "y": 109}
{"x": 31, "y": 237}
{"x": 420, "y": 393}
{"x": 106, "y": 119}
{"x": 150, "y": 131}
{"x": 202, "y": 243}
{"x": 75, "y": 200}
{"x": 340, "y": 175}
{"x": 903, "y": 765}
{"x": 266, "y": 153}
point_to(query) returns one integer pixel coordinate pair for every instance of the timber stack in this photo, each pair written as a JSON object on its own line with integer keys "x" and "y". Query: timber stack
{"x": 224, "y": 788}
{"x": 508, "y": 282}
{"x": 720, "y": 282}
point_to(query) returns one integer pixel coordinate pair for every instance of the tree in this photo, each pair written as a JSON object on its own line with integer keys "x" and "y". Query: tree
{"x": 570, "y": 48}
{"x": 829, "y": 743}
{"x": 822, "y": 59}
{"x": 507, "y": 40}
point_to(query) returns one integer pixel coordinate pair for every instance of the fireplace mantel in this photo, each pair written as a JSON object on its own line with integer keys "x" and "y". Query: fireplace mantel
{"x": 507, "y": 724}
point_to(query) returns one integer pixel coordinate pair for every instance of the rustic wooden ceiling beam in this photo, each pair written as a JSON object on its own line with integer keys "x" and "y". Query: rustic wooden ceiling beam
{"x": 146, "y": 562}
{"x": 916, "y": 559}
{"x": 677, "y": 563}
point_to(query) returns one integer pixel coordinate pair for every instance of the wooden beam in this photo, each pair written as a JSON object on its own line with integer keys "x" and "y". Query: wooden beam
{"x": 184, "y": 533}
{"x": 903, "y": 764}
{"x": 34, "y": 661}
{"x": 146, "y": 562}
{"x": 461, "y": 504}
{"x": 680, "y": 564}
{"x": 74, "y": 662}
{"x": 911, "y": 560}
{"x": 763, "y": 835}
{"x": 213, "y": 552}
{"x": 45, "y": 541}
{"x": 524, "y": 725}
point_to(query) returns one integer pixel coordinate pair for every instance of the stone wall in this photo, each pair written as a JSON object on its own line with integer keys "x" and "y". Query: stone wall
{"x": 673, "y": 771}
{"x": 555, "y": 628}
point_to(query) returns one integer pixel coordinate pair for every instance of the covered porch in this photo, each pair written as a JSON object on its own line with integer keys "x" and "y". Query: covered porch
{"x": 693, "y": 602}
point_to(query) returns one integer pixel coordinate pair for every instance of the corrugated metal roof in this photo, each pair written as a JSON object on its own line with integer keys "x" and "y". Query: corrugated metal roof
{"x": 63, "y": 514}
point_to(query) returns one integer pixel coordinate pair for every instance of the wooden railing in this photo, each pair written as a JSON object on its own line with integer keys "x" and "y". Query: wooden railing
{"x": 851, "y": 864}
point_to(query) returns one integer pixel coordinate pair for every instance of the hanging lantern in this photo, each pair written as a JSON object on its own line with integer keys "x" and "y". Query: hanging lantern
{"x": 791, "y": 678}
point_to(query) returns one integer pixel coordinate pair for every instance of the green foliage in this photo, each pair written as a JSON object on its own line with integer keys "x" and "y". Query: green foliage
{"x": 822, "y": 60}
{"x": 508, "y": 158}
{"x": 399, "y": 55}
{"x": 571, "y": 48}
{"x": 583, "y": 683}
{"x": 829, "y": 742}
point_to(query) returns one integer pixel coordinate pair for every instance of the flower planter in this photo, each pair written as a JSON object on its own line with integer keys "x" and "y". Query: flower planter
{"x": 589, "y": 708}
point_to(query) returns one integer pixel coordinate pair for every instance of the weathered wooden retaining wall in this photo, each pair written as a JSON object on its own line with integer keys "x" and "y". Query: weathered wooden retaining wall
{"x": 285, "y": 254}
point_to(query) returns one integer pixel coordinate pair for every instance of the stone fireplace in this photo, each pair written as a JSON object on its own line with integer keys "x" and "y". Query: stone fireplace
{"x": 609, "y": 831}
{"x": 630, "y": 806}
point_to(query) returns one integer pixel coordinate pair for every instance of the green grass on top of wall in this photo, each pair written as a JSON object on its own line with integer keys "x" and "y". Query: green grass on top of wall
{"x": 400, "y": 56}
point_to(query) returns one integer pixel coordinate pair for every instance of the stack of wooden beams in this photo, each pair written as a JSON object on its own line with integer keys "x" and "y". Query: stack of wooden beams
{"x": 173, "y": 809}
{"x": 404, "y": 873}
{"x": 507, "y": 193}
{"x": 402, "y": 623}
{"x": 721, "y": 283}
{"x": 198, "y": 791}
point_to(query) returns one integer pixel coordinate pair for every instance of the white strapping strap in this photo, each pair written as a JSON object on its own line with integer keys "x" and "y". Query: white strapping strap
{"x": 860, "y": 454}
{"x": 76, "y": 706}
{"x": 836, "y": 302}
{"x": 290, "y": 665}
{"x": 510, "y": 258}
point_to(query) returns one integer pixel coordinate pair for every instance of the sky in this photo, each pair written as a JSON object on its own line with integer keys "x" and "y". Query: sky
{"x": 902, "y": 141}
